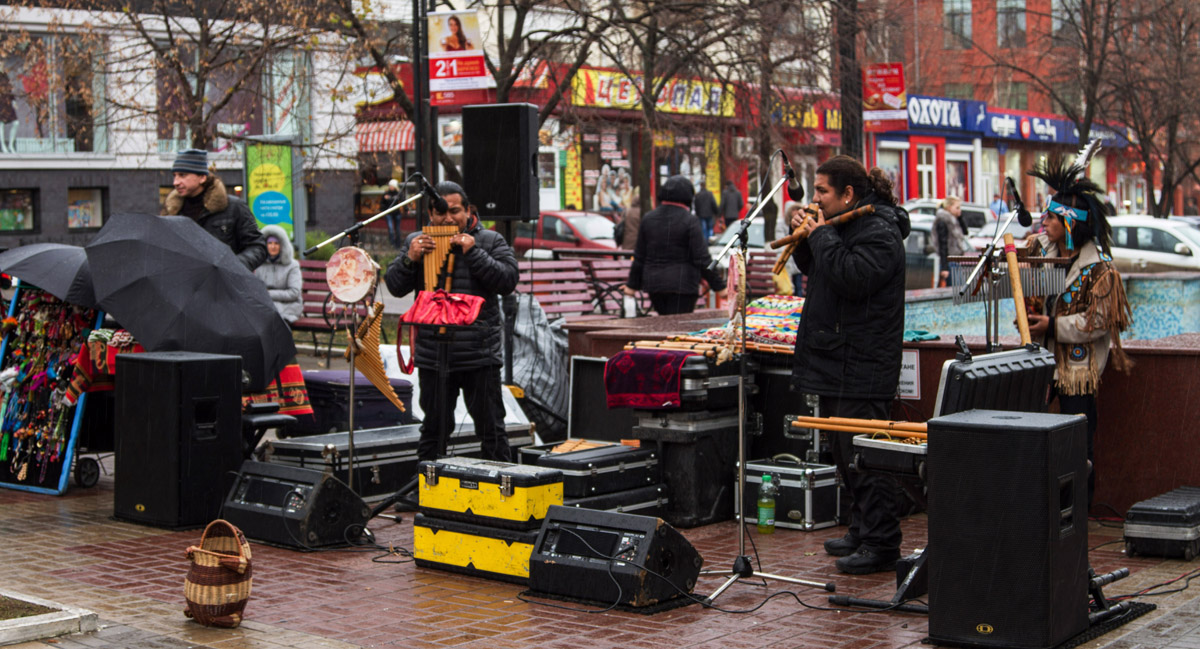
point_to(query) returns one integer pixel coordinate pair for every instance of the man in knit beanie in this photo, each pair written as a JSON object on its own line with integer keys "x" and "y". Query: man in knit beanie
{"x": 200, "y": 195}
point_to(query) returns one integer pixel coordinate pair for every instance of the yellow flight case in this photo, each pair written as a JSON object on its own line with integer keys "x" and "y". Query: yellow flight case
{"x": 485, "y": 492}
{"x": 477, "y": 550}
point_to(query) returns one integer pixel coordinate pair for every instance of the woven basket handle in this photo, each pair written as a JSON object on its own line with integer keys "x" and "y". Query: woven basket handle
{"x": 237, "y": 564}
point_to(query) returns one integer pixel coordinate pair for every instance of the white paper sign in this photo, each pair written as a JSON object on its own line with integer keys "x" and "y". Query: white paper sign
{"x": 910, "y": 375}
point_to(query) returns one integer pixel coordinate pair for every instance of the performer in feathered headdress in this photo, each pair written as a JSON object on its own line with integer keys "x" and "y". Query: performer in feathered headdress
{"x": 1082, "y": 325}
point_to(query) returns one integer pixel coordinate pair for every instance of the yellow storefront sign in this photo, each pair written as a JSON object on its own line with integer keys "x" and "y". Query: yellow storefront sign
{"x": 613, "y": 89}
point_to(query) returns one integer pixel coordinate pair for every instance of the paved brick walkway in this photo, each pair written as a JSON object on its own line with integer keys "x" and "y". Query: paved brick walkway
{"x": 68, "y": 549}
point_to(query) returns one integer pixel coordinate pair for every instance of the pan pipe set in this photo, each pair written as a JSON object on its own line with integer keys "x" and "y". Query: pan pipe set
{"x": 1037, "y": 279}
{"x": 434, "y": 261}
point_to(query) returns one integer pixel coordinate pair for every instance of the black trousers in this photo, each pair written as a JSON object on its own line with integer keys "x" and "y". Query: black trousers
{"x": 670, "y": 303}
{"x": 873, "y": 519}
{"x": 1084, "y": 404}
{"x": 481, "y": 391}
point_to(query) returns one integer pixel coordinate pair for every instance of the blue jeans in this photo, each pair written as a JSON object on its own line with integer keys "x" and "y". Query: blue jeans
{"x": 395, "y": 236}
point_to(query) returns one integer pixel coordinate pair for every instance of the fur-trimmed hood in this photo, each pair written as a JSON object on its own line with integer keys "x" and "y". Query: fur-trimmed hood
{"x": 216, "y": 198}
{"x": 286, "y": 253}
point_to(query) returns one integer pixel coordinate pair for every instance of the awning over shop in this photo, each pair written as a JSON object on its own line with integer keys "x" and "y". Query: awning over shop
{"x": 384, "y": 136}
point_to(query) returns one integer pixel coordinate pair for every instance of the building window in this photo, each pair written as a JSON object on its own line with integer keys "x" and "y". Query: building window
{"x": 958, "y": 179}
{"x": 957, "y": 15}
{"x": 239, "y": 95}
{"x": 926, "y": 172}
{"x": 85, "y": 208}
{"x": 1015, "y": 96}
{"x": 1010, "y": 24}
{"x": 49, "y": 87}
{"x": 1064, "y": 21}
{"x": 958, "y": 90}
{"x": 17, "y": 210}
{"x": 892, "y": 164}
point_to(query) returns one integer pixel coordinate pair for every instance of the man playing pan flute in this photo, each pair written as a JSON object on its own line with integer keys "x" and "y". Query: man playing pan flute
{"x": 484, "y": 265}
{"x": 848, "y": 344}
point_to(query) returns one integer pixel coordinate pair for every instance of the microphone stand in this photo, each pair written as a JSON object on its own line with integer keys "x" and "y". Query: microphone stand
{"x": 352, "y": 233}
{"x": 992, "y": 306}
{"x": 743, "y": 568}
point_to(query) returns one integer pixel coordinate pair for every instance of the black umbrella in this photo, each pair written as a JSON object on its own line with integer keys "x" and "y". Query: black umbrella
{"x": 176, "y": 287}
{"x": 56, "y": 268}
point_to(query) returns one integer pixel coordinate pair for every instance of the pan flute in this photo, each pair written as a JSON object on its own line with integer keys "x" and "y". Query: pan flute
{"x": 440, "y": 258}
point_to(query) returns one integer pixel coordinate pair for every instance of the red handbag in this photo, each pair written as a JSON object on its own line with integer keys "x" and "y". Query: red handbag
{"x": 435, "y": 308}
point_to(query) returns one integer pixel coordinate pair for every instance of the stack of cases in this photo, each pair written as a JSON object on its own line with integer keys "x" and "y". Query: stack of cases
{"x": 1167, "y": 525}
{"x": 613, "y": 477}
{"x": 480, "y": 517}
{"x": 699, "y": 451}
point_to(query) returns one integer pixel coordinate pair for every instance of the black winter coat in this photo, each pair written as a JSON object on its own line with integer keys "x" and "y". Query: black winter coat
{"x": 671, "y": 255}
{"x": 488, "y": 270}
{"x": 705, "y": 205}
{"x": 850, "y": 335}
{"x": 230, "y": 220}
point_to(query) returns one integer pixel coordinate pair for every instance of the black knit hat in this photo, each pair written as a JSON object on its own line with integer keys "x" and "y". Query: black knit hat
{"x": 191, "y": 161}
{"x": 677, "y": 189}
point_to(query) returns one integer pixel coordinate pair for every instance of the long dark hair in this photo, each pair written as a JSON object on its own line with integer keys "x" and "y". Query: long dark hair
{"x": 844, "y": 171}
{"x": 1074, "y": 189}
{"x": 460, "y": 35}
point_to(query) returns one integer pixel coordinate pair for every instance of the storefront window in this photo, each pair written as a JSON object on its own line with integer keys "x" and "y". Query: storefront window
{"x": 240, "y": 115}
{"x": 892, "y": 164}
{"x": 48, "y": 90}
{"x": 85, "y": 208}
{"x": 16, "y": 210}
{"x": 606, "y": 160}
{"x": 548, "y": 169}
{"x": 957, "y": 176}
{"x": 990, "y": 164}
{"x": 926, "y": 172}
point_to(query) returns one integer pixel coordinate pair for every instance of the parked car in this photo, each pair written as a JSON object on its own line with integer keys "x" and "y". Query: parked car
{"x": 1145, "y": 244}
{"x": 562, "y": 229}
{"x": 973, "y": 214}
{"x": 984, "y": 235}
{"x": 754, "y": 242}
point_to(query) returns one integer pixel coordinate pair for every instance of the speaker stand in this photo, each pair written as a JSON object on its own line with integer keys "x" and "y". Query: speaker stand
{"x": 904, "y": 592}
{"x": 743, "y": 567}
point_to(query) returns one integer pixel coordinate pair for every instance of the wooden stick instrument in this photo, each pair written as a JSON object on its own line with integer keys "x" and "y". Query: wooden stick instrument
{"x": 1014, "y": 279}
{"x": 440, "y": 256}
{"x": 873, "y": 424}
{"x": 865, "y": 430}
{"x": 798, "y": 234}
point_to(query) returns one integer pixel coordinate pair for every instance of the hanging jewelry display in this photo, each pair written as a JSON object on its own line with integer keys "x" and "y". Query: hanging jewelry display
{"x": 38, "y": 424}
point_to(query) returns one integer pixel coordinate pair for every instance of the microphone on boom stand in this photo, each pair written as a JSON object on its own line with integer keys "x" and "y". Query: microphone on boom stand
{"x": 1023, "y": 215}
{"x": 795, "y": 190}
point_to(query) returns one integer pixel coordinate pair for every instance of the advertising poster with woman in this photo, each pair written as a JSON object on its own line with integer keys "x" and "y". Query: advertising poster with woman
{"x": 457, "y": 73}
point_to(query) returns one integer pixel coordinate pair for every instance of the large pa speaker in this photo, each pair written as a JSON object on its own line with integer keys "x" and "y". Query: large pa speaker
{"x": 581, "y": 552}
{"x": 294, "y": 507}
{"x": 500, "y": 144}
{"x": 1007, "y": 529}
{"x": 178, "y": 436}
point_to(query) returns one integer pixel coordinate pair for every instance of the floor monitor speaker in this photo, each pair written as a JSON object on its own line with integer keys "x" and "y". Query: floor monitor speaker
{"x": 608, "y": 557}
{"x": 293, "y": 507}
{"x": 500, "y": 147}
{"x": 1007, "y": 529}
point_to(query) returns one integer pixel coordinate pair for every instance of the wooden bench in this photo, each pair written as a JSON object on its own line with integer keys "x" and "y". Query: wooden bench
{"x": 319, "y": 315}
{"x": 562, "y": 287}
{"x": 760, "y": 280}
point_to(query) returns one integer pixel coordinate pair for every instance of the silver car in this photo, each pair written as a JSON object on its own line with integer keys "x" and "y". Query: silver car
{"x": 1145, "y": 244}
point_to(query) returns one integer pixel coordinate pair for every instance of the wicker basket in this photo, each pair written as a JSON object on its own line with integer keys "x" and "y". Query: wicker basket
{"x": 218, "y": 582}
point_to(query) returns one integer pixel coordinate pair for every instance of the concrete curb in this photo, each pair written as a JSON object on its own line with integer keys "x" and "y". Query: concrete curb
{"x": 67, "y": 619}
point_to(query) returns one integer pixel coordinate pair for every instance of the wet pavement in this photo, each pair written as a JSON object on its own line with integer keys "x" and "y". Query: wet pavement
{"x": 69, "y": 549}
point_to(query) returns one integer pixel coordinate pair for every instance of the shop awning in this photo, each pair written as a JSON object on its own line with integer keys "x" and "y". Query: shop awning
{"x": 384, "y": 136}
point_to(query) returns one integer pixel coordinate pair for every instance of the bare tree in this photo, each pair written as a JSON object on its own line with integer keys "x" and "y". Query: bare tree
{"x": 1157, "y": 100}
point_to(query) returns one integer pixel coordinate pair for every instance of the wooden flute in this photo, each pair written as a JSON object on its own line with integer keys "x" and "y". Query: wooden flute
{"x": 798, "y": 235}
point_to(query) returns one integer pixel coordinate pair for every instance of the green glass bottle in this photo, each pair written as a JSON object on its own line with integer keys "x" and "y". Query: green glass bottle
{"x": 766, "y": 505}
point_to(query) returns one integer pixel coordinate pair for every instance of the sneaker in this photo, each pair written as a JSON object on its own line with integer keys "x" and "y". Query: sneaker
{"x": 865, "y": 562}
{"x": 842, "y": 547}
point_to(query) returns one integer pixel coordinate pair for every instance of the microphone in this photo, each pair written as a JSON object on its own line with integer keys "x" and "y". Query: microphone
{"x": 1023, "y": 215}
{"x": 435, "y": 199}
{"x": 795, "y": 190}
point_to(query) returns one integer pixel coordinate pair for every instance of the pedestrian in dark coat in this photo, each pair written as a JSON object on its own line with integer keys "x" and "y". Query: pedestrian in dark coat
{"x": 848, "y": 346}
{"x": 484, "y": 265}
{"x": 706, "y": 209}
{"x": 200, "y": 195}
{"x": 671, "y": 255}
{"x": 731, "y": 203}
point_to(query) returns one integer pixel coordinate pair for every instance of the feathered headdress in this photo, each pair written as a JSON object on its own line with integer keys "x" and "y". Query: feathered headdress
{"x": 1076, "y": 198}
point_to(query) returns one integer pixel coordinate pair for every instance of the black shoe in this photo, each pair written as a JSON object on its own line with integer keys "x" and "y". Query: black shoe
{"x": 842, "y": 547}
{"x": 865, "y": 562}
{"x": 407, "y": 503}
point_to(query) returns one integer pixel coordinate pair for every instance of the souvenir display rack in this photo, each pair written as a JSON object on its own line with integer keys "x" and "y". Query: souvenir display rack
{"x": 38, "y": 425}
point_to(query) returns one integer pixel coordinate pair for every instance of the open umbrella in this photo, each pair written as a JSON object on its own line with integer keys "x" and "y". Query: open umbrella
{"x": 57, "y": 268}
{"x": 176, "y": 287}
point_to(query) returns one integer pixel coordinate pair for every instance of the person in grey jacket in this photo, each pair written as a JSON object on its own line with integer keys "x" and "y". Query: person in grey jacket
{"x": 281, "y": 274}
{"x": 484, "y": 265}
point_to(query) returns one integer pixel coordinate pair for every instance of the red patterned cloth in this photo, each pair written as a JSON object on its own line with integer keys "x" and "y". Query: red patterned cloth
{"x": 293, "y": 400}
{"x": 644, "y": 378}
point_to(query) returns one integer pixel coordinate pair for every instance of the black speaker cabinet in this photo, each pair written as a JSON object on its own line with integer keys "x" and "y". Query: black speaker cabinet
{"x": 500, "y": 145}
{"x": 178, "y": 436}
{"x": 572, "y": 558}
{"x": 1007, "y": 529}
{"x": 294, "y": 507}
